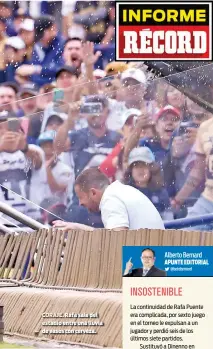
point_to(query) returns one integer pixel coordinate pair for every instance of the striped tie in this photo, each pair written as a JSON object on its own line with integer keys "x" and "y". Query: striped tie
{"x": 145, "y": 271}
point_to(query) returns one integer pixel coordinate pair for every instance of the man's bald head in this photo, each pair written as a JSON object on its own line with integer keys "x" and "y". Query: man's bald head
{"x": 92, "y": 178}
{"x": 89, "y": 187}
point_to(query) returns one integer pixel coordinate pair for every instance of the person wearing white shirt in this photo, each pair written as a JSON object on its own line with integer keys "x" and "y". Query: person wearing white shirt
{"x": 56, "y": 177}
{"x": 122, "y": 207}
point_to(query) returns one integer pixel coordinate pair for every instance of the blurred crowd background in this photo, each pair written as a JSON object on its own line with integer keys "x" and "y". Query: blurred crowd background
{"x": 66, "y": 105}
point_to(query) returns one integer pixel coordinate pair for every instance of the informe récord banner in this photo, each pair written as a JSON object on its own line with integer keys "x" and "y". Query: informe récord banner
{"x": 163, "y": 30}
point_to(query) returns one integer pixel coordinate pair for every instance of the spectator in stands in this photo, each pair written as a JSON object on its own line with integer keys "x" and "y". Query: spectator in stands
{"x": 53, "y": 119}
{"x": 183, "y": 155}
{"x": 6, "y": 14}
{"x": 45, "y": 97}
{"x": 80, "y": 55}
{"x": 166, "y": 121}
{"x": 109, "y": 87}
{"x": 5, "y": 9}
{"x": 95, "y": 25}
{"x": 59, "y": 175}
{"x": 130, "y": 96}
{"x": 18, "y": 163}
{"x": 202, "y": 169}
{"x": 66, "y": 77}
{"x": 134, "y": 87}
{"x": 28, "y": 100}
{"x": 73, "y": 53}
{"x": 110, "y": 165}
{"x": 14, "y": 56}
{"x": 122, "y": 207}
{"x": 141, "y": 176}
{"x": 53, "y": 8}
{"x": 19, "y": 16}
{"x": 47, "y": 52}
{"x": 27, "y": 34}
{"x": 110, "y": 31}
{"x": 8, "y": 98}
{"x": 175, "y": 98}
{"x": 94, "y": 19}
{"x": 90, "y": 145}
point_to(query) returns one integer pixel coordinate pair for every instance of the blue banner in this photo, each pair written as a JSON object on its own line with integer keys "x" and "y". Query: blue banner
{"x": 173, "y": 261}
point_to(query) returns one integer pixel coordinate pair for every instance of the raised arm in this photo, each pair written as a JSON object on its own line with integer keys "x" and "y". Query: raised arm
{"x": 62, "y": 141}
{"x": 90, "y": 58}
{"x": 194, "y": 179}
{"x": 32, "y": 153}
{"x": 196, "y": 175}
{"x": 134, "y": 137}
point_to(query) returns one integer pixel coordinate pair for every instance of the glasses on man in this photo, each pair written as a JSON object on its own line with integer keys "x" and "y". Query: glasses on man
{"x": 147, "y": 257}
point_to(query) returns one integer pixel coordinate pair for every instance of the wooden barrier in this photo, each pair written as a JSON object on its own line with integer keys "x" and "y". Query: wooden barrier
{"x": 24, "y": 308}
{"x": 78, "y": 272}
{"x": 82, "y": 259}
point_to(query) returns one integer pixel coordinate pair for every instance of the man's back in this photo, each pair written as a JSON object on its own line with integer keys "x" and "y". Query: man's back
{"x": 125, "y": 206}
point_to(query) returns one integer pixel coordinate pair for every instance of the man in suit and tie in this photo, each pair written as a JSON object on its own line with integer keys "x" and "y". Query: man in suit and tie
{"x": 149, "y": 269}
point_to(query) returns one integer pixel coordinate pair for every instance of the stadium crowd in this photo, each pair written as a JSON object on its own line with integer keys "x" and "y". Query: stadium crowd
{"x": 66, "y": 106}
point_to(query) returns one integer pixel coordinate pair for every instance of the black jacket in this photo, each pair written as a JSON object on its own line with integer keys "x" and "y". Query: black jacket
{"x": 152, "y": 272}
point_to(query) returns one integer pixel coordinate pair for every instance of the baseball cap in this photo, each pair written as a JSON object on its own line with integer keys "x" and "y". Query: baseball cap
{"x": 47, "y": 136}
{"x": 167, "y": 109}
{"x": 15, "y": 42}
{"x": 143, "y": 154}
{"x": 66, "y": 68}
{"x": 115, "y": 68}
{"x": 27, "y": 24}
{"x": 135, "y": 74}
{"x": 61, "y": 116}
{"x": 130, "y": 112}
{"x": 29, "y": 89}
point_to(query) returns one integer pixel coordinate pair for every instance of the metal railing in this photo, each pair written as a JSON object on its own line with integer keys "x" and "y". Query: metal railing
{"x": 33, "y": 224}
{"x": 4, "y": 229}
{"x": 18, "y": 216}
{"x": 189, "y": 222}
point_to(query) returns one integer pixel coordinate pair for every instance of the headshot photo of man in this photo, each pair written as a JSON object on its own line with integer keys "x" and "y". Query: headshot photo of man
{"x": 148, "y": 268}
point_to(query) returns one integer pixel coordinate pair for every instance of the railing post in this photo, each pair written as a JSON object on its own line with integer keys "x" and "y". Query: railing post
{"x": 1, "y": 323}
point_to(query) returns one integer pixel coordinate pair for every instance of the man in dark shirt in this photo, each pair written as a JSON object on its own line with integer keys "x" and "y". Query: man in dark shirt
{"x": 88, "y": 146}
{"x": 47, "y": 53}
{"x": 149, "y": 269}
